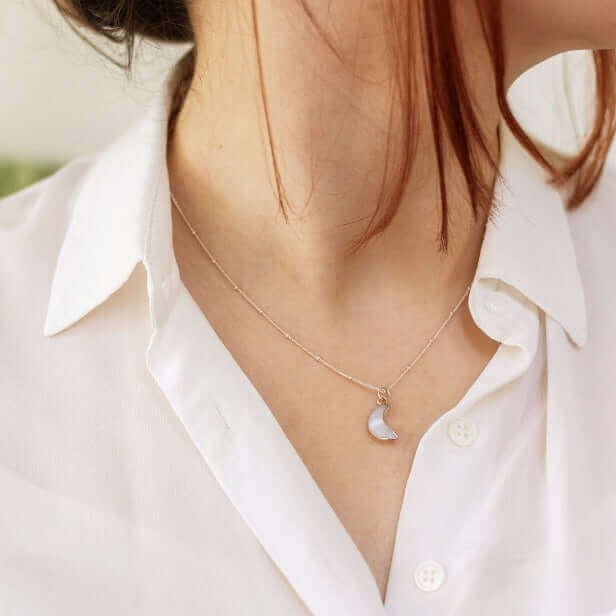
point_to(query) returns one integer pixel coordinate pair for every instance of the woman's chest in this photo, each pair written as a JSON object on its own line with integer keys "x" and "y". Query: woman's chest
{"x": 171, "y": 484}
{"x": 323, "y": 418}
{"x": 161, "y": 507}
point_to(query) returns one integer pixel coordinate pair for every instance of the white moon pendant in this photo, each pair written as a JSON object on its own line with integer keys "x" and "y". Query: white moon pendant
{"x": 377, "y": 426}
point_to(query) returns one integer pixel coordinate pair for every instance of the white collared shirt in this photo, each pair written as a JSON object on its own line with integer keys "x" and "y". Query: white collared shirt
{"x": 141, "y": 472}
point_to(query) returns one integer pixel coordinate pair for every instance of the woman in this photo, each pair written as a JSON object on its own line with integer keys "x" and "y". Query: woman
{"x": 318, "y": 335}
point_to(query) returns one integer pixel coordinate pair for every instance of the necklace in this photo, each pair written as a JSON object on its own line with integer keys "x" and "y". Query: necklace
{"x": 376, "y": 422}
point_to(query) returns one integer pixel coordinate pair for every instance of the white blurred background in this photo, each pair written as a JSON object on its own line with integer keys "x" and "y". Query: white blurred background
{"x": 60, "y": 99}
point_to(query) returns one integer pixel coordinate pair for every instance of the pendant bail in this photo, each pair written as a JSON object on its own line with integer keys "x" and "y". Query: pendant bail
{"x": 382, "y": 396}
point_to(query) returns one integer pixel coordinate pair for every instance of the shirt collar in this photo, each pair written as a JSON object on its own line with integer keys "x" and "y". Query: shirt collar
{"x": 121, "y": 216}
{"x": 112, "y": 227}
{"x": 528, "y": 243}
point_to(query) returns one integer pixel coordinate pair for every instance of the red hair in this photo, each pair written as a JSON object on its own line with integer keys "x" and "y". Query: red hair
{"x": 453, "y": 116}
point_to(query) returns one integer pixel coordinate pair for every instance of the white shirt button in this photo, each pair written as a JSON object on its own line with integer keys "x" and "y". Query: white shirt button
{"x": 462, "y": 432}
{"x": 429, "y": 575}
{"x": 496, "y": 303}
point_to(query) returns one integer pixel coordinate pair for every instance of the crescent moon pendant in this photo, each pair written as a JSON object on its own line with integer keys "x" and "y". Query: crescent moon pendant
{"x": 377, "y": 426}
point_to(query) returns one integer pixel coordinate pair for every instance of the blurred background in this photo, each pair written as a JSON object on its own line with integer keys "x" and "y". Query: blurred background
{"x": 60, "y": 99}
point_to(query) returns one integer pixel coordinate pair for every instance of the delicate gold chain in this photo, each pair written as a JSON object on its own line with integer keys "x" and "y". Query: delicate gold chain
{"x": 381, "y": 391}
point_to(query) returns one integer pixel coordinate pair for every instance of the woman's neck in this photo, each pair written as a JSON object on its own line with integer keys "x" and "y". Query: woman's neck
{"x": 329, "y": 124}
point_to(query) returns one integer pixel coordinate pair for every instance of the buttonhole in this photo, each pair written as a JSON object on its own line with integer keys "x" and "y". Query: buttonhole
{"x": 222, "y": 417}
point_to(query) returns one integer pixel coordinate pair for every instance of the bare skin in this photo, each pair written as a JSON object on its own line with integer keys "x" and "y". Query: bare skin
{"x": 369, "y": 314}
{"x": 323, "y": 416}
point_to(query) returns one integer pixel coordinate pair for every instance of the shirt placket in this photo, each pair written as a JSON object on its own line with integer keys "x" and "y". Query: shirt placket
{"x": 450, "y": 475}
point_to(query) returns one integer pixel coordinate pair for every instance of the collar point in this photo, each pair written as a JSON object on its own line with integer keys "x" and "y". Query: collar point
{"x": 54, "y": 325}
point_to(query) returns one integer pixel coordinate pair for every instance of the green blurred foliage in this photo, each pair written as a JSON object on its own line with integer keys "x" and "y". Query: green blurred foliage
{"x": 15, "y": 175}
